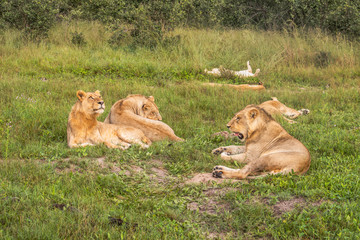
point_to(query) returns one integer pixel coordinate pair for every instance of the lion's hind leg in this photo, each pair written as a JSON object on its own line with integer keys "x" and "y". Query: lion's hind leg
{"x": 133, "y": 135}
{"x": 289, "y": 120}
{"x": 249, "y": 67}
{"x": 304, "y": 111}
{"x": 143, "y": 141}
{"x": 118, "y": 144}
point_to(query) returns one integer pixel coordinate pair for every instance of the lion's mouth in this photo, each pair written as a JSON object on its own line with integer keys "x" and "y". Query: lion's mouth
{"x": 239, "y": 135}
{"x": 99, "y": 109}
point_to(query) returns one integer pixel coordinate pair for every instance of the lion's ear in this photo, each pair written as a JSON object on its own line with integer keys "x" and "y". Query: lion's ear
{"x": 145, "y": 107}
{"x": 97, "y": 92}
{"x": 80, "y": 94}
{"x": 253, "y": 113}
{"x": 151, "y": 98}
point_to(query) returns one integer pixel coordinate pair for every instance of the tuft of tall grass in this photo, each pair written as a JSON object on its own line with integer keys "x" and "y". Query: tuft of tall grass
{"x": 292, "y": 57}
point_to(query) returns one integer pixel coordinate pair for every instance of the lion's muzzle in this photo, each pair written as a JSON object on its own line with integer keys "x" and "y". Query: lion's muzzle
{"x": 239, "y": 135}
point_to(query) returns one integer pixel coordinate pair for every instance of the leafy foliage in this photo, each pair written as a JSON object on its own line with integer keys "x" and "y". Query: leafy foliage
{"x": 34, "y": 17}
{"x": 151, "y": 20}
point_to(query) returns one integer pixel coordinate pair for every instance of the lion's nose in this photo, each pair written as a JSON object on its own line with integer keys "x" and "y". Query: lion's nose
{"x": 101, "y": 103}
{"x": 228, "y": 126}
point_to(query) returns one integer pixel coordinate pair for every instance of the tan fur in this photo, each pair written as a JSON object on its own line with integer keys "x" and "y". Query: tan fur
{"x": 275, "y": 108}
{"x": 268, "y": 147}
{"x": 141, "y": 112}
{"x": 239, "y": 87}
{"x": 83, "y": 129}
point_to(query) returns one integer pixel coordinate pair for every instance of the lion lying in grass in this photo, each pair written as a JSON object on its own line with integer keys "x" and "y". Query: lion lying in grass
{"x": 142, "y": 113}
{"x": 268, "y": 147}
{"x": 83, "y": 129}
{"x": 223, "y": 72}
{"x": 275, "y": 108}
{"x": 239, "y": 87}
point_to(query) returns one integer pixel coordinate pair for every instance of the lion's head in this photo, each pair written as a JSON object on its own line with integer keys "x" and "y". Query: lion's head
{"x": 141, "y": 105}
{"x": 91, "y": 102}
{"x": 150, "y": 110}
{"x": 247, "y": 121}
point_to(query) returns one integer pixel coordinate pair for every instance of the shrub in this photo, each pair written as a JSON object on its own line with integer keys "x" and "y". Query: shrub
{"x": 34, "y": 17}
{"x": 78, "y": 39}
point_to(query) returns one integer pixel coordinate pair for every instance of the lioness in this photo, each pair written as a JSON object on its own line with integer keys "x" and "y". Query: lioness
{"x": 275, "y": 108}
{"x": 268, "y": 147}
{"x": 239, "y": 87}
{"x": 83, "y": 129}
{"x": 141, "y": 112}
{"x": 223, "y": 72}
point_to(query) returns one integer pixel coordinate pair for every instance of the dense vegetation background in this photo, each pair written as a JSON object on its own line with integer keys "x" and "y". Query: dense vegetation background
{"x": 153, "y": 18}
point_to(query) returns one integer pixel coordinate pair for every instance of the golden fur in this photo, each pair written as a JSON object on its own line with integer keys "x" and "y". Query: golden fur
{"x": 239, "y": 87}
{"x": 268, "y": 147}
{"x": 142, "y": 113}
{"x": 275, "y": 108}
{"x": 83, "y": 129}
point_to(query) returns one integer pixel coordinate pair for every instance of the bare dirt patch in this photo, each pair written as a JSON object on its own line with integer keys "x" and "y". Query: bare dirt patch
{"x": 209, "y": 206}
{"x": 207, "y": 178}
{"x": 161, "y": 175}
{"x": 157, "y": 162}
{"x": 111, "y": 166}
{"x": 101, "y": 162}
{"x": 160, "y": 172}
{"x": 289, "y": 205}
{"x": 210, "y": 192}
{"x": 135, "y": 169}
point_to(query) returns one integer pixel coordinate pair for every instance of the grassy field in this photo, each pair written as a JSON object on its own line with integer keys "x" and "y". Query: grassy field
{"x": 48, "y": 191}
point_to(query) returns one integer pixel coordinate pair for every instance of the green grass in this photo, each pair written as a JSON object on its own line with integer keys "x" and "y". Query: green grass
{"x": 48, "y": 191}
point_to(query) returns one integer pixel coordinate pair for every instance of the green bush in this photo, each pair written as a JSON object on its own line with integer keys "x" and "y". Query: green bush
{"x": 78, "y": 39}
{"x": 34, "y": 17}
{"x": 118, "y": 37}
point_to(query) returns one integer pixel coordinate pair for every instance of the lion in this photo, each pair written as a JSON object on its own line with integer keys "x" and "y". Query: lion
{"x": 268, "y": 147}
{"x": 83, "y": 129}
{"x": 223, "y": 72}
{"x": 239, "y": 87}
{"x": 142, "y": 113}
{"x": 275, "y": 108}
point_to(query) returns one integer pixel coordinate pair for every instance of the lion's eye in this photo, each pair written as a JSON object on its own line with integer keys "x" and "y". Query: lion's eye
{"x": 238, "y": 118}
{"x": 91, "y": 98}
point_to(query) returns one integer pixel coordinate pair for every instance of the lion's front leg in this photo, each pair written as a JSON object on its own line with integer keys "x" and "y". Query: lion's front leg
{"x": 75, "y": 142}
{"x": 241, "y": 158}
{"x": 225, "y": 172}
{"x": 229, "y": 150}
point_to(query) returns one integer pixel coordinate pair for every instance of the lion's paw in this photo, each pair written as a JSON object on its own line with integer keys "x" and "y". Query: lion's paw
{"x": 304, "y": 111}
{"x": 217, "y": 172}
{"x": 221, "y": 171}
{"x": 124, "y": 146}
{"x": 219, "y": 150}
